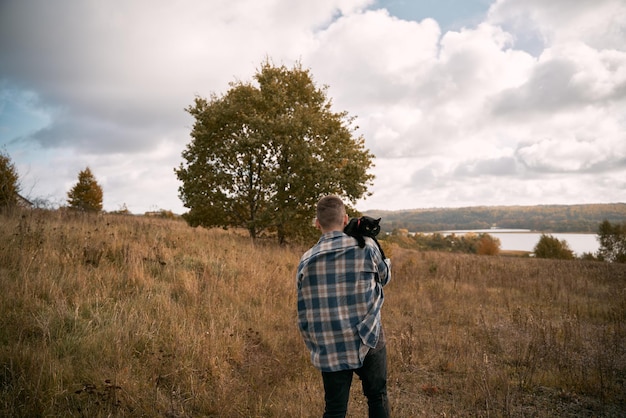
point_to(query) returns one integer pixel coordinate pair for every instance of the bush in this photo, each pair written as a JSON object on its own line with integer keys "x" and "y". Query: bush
{"x": 551, "y": 247}
{"x": 612, "y": 238}
{"x": 488, "y": 245}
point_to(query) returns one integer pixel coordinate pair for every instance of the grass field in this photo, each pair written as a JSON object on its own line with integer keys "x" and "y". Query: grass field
{"x": 115, "y": 316}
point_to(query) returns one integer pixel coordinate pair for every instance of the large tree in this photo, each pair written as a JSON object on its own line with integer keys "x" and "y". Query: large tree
{"x": 262, "y": 154}
{"x": 9, "y": 181}
{"x": 86, "y": 195}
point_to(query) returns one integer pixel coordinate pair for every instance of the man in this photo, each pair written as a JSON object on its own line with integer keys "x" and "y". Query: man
{"x": 339, "y": 300}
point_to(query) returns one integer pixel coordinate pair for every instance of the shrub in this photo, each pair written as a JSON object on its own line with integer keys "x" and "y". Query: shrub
{"x": 488, "y": 245}
{"x": 612, "y": 238}
{"x": 551, "y": 247}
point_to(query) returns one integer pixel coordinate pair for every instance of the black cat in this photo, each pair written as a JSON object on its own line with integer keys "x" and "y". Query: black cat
{"x": 365, "y": 226}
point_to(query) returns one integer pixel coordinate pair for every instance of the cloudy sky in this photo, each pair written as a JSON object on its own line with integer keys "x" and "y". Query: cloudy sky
{"x": 463, "y": 102}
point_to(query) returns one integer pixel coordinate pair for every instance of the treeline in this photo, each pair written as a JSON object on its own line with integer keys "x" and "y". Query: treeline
{"x": 546, "y": 218}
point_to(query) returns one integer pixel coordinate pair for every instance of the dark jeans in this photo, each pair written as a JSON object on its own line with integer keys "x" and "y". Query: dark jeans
{"x": 373, "y": 376}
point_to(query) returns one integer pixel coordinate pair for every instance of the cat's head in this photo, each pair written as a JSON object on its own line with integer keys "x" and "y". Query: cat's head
{"x": 369, "y": 226}
{"x": 364, "y": 226}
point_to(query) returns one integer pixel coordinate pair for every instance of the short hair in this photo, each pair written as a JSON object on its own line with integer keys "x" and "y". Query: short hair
{"x": 330, "y": 211}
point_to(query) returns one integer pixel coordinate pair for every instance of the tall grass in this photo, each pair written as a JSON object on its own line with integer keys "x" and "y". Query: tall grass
{"x": 116, "y": 315}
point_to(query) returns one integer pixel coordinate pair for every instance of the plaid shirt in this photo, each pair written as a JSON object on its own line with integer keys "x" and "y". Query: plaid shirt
{"x": 339, "y": 299}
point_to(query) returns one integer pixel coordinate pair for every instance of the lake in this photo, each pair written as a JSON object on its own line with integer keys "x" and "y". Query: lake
{"x": 525, "y": 240}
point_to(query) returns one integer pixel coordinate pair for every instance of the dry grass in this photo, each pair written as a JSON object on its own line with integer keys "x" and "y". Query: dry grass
{"x": 124, "y": 316}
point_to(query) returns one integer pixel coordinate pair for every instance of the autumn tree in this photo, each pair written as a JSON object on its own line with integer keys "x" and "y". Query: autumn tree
{"x": 612, "y": 239}
{"x": 9, "y": 181}
{"x": 488, "y": 245}
{"x": 86, "y": 195}
{"x": 263, "y": 154}
{"x": 551, "y": 247}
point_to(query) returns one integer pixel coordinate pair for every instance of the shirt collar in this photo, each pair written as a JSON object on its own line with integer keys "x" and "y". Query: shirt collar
{"x": 331, "y": 235}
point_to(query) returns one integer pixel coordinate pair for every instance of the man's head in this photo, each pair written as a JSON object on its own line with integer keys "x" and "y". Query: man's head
{"x": 331, "y": 214}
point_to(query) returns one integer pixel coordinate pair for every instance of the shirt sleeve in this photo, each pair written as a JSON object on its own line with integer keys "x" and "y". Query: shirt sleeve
{"x": 384, "y": 271}
{"x": 382, "y": 265}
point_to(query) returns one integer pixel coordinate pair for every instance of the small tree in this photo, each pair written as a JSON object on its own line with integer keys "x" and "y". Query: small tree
{"x": 9, "y": 181}
{"x": 488, "y": 245}
{"x": 612, "y": 239}
{"x": 86, "y": 195}
{"x": 551, "y": 247}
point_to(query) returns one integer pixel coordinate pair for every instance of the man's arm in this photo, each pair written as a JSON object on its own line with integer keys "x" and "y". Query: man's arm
{"x": 384, "y": 271}
{"x": 383, "y": 265}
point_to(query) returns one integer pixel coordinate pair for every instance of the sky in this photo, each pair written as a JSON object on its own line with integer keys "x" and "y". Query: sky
{"x": 462, "y": 102}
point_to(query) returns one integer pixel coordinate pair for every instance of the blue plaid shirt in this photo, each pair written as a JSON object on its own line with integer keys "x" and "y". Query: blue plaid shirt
{"x": 339, "y": 299}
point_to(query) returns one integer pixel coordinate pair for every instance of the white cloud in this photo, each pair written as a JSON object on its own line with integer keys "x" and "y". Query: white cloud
{"x": 525, "y": 107}
{"x": 599, "y": 23}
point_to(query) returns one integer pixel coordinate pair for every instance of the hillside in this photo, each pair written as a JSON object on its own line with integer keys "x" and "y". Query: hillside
{"x": 123, "y": 316}
{"x": 548, "y": 218}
